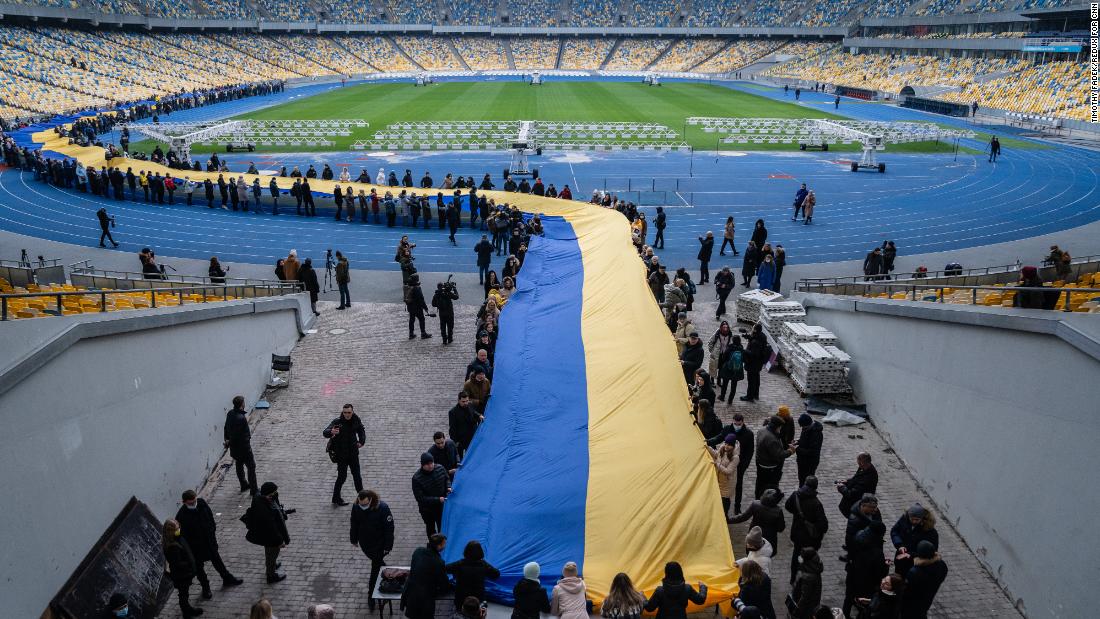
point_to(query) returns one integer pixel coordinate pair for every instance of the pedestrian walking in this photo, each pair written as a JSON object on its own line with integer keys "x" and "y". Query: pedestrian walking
{"x": 266, "y": 524}
{"x": 994, "y": 149}
{"x": 723, "y": 286}
{"x": 660, "y": 222}
{"x": 431, "y": 485}
{"x": 808, "y": 208}
{"x": 484, "y": 251}
{"x": 799, "y": 201}
{"x": 728, "y": 237}
{"x": 463, "y": 420}
{"x": 199, "y": 528}
{"x": 106, "y": 222}
{"x": 180, "y": 565}
{"x": 749, "y": 263}
{"x": 372, "y": 531}
{"x": 346, "y": 436}
{"x": 238, "y": 438}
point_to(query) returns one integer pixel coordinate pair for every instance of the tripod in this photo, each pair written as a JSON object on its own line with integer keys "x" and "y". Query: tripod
{"x": 329, "y": 278}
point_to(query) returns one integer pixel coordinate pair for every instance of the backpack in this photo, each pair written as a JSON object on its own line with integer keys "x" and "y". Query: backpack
{"x": 734, "y": 368}
{"x": 691, "y": 287}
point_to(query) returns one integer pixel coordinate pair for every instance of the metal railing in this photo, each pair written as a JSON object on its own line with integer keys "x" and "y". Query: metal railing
{"x": 911, "y": 291}
{"x": 1080, "y": 263}
{"x": 220, "y": 293}
{"x": 83, "y": 268}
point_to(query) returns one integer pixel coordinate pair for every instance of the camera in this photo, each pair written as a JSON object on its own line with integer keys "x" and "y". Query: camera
{"x": 330, "y": 262}
{"x": 450, "y": 287}
{"x": 289, "y": 512}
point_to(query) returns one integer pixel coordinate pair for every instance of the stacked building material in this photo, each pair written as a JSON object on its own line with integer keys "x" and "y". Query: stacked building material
{"x": 749, "y": 304}
{"x": 817, "y": 369}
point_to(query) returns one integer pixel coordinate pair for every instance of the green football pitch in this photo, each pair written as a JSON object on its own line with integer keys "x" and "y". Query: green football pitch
{"x": 670, "y": 104}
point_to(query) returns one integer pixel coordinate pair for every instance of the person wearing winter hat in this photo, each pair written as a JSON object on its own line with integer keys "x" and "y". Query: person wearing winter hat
{"x": 866, "y": 564}
{"x": 807, "y": 587}
{"x": 757, "y": 549}
{"x": 922, "y": 582}
{"x": 530, "y": 596}
{"x": 671, "y": 598}
{"x": 786, "y": 431}
{"x": 568, "y": 599}
{"x": 767, "y": 515}
{"x": 266, "y": 523}
{"x": 431, "y": 485}
{"x": 117, "y": 606}
{"x": 916, "y": 525}
{"x": 808, "y": 521}
{"x": 807, "y": 452}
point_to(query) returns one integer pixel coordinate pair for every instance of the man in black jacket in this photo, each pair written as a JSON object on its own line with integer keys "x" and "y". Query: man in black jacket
{"x": 238, "y": 438}
{"x": 443, "y": 302}
{"x": 105, "y": 223}
{"x": 444, "y": 452}
{"x": 770, "y": 456}
{"x": 865, "y": 481}
{"x": 808, "y": 447}
{"x": 430, "y": 487}
{"x": 692, "y": 357}
{"x": 706, "y": 251}
{"x": 372, "y": 531}
{"x": 484, "y": 251}
{"x": 414, "y": 303}
{"x": 808, "y": 524}
{"x": 427, "y": 579}
{"x": 266, "y": 523}
{"x": 346, "y": 436}
{"x": 462, "y": 421}
{"x": 659, "y": 223}
{"x": 756, "y": 355}
{"x": 198, "y": 527}
{"x": 747, "y": 444}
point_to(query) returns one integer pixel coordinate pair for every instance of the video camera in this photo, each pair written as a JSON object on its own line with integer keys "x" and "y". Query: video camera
{"x": 450, "y": 288}
{"x": 330, "y": 262}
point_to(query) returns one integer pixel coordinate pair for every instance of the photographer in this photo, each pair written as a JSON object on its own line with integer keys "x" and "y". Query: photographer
{"x": 346, "y": 437}
{"x": 343, "y": 278}
{"x": 446, "y": 293}
{"x": 106, "y": 222}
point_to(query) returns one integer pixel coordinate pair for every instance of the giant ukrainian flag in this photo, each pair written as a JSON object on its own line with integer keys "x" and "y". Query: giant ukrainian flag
{"x": 587, "y": 453}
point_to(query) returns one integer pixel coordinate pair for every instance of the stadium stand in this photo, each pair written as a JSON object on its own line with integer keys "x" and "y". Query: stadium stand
{"x": 482, "y": 53}
{"x": 377, "y": 52}
{"x": 888, "y": 8}
{"x": 774, "y": 13}
{"x": 635, "y": 54}
{"x": 412, "y": 11}
{"x": 832, "y": 12}
{"x": 686, "y": 53}
{"x": 737, "y": 55}
{"x": 1057, "y": 88}
{"x": 327, "y": 53}
{"x": 715, "y": 14}
{"x": 585, "y": 53}
{"x": 351, "y": 12}
{"x": 93, "y": 302}
{"x": 535, "y": 52}
{"x": 286, "y": 10}
{"x": 532, "y": 13}
{"x": 472, "y": 12}
{"x": 595, "y": 13}
{"x": 659, "y": 13}
{"x": 428, "y": 52}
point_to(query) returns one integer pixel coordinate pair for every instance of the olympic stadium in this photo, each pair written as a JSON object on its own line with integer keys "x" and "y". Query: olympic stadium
{"x": 202, "y": 200}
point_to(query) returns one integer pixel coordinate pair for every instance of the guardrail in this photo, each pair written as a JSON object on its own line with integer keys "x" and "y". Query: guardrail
{"x": 221, "y": 293}
{"x": 89, "y": 271}
{"x": 911, "y": 290}
{"x": 1092, "y": 261}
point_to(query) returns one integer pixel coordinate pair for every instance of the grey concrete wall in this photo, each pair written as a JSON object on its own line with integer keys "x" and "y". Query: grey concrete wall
{"x": 999, "y": 424}
{"x": 130, "y": 412}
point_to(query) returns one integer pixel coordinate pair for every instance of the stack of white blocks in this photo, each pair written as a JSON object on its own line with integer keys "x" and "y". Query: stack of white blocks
{"x": 749, "y": 304}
